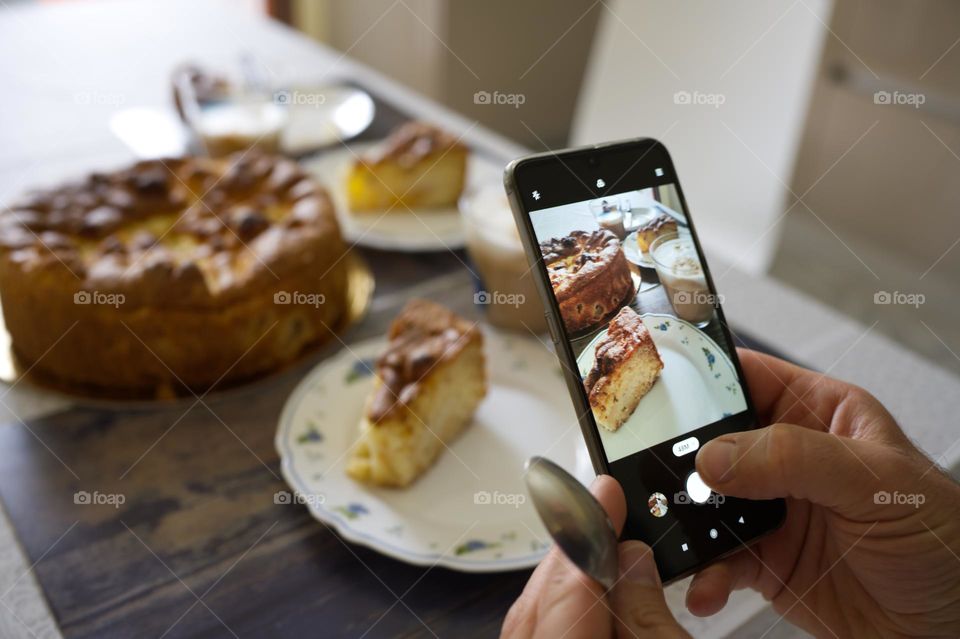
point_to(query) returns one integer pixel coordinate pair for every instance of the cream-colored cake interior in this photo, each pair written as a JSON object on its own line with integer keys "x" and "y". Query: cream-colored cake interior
{"x": 623, "y": 390}
{"x": 397, "y": 450}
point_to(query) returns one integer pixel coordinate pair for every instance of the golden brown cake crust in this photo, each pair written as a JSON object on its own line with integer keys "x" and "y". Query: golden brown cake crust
{"x": 660, "y": 225}
{"x": 413, "y": 142}
{"x": 422, "y": 335}
{"x": 589, "y": 274}
{"x": 181, "y": 257}
{"x": 625, "y": 336}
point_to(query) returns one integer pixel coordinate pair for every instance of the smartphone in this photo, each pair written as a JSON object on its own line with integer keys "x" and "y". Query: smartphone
{"x": 641, "y": 337}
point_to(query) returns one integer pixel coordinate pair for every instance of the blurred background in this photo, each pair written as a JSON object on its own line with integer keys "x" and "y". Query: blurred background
{"x": 823, "y": 149}
{"x": 817, "y": 141}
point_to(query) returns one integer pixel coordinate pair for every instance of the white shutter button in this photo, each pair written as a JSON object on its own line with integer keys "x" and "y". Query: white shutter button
{"x": 697, "y": 490}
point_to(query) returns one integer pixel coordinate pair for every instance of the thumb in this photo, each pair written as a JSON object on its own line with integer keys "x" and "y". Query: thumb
{"x": 639, "y": 607}
{"x": 784, "y": 460}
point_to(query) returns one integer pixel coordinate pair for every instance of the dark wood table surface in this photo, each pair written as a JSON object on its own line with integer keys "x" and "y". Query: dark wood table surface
{"x": 198, "y": 548}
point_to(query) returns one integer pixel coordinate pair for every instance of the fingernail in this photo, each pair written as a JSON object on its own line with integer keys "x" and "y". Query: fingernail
{"x": 637, "y": 564}
{"x": 715, "y": 460}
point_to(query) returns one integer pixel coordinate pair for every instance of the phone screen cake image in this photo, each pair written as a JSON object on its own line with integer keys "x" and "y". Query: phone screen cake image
{"x": 626, "y": 365}
{"x": 589, "y": 275}
{"x": 640, "y": 317}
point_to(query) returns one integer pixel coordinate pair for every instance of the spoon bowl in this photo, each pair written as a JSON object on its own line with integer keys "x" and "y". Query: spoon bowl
{"x": 574, "y": 519}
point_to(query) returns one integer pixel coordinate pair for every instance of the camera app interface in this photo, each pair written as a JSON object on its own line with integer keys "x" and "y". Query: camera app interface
{"x": 640, "y": 317}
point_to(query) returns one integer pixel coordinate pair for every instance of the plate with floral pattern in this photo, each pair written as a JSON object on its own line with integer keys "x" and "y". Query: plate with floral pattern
{"x": 697, "y": 386}
{"x": 470, "y": 511}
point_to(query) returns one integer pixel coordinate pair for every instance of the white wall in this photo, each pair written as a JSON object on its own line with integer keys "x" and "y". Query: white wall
{"x": 735, "y": 159}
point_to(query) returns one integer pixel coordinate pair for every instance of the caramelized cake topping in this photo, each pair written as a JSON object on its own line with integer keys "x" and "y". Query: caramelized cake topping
{"x": 589, "y": 274}
{"x": 572, "y": 261}
{"x": 203, "y": 227}
{"x": 658, "y": 223}
{"x": 626, "y": 334}
{"x": 413, "y": 142}
{"x": 424, "y": 334}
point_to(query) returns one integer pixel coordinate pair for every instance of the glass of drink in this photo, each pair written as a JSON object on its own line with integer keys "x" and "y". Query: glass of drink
{"x": 613, "y": 222}
{"x": 681, "y": 273}
{"x": 608, "y": 215}
{"x": 508, "y": 294}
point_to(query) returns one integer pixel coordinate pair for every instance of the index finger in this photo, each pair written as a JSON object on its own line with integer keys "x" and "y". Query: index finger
{"x": 610, "y": 494}
{"x": 767, "y": 379}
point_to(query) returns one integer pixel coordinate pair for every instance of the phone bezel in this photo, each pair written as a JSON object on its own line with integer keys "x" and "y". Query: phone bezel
{"x": 609, "y": 156}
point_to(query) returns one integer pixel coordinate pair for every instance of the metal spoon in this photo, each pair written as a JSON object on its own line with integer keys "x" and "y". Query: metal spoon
{"x": 575, "y": 520}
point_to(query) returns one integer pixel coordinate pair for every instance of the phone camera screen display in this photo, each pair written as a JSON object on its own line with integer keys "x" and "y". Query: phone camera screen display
{"x": 640, "y": 331}
{"x": 640, "y": 317}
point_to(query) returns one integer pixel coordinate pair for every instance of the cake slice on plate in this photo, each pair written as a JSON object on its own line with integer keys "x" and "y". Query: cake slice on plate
{"x": 626, "y": 365}
{"x": 660, "y": 225}
{"x": 419, "y": 166}
{"x": 428, "y": 384}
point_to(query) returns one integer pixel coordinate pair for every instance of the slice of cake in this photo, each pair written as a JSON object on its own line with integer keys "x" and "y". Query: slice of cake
{"x": 419, "y": 166}
{"x": 429, "y": 382}
{"x": 660, "y": 225}
{"x": 626, "y": 364}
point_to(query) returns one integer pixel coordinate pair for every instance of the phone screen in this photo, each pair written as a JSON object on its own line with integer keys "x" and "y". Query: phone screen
{"x": 639, "y": 327}
{"x": 639, "y": 316}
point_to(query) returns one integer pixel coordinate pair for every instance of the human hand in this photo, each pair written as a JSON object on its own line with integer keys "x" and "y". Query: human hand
{"x": 844, "y": 563}
{"x": 561, "y": 601}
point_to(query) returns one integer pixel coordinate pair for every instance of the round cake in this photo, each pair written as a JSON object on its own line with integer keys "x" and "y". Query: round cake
{"x": 172, "y": 275}
{"x": 589, "y": 274}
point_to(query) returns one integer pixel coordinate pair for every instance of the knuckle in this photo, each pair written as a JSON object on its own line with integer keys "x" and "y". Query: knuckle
{"x": 861, "y": 395}
{"x": 782, "y": 445}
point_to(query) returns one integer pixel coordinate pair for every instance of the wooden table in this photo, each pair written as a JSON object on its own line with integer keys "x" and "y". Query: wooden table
{"x": 199, "y": 548}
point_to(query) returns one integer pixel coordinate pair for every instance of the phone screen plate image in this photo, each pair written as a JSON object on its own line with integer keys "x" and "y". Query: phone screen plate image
{"x": 579, "y": 213}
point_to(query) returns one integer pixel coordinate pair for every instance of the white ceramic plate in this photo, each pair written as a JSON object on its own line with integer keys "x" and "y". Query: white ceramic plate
{"x": 469, "y": 511}
{"x": 641, "y": 258}
{"x": 698, "y": 386}
{"x": 633, "y": 254}
{"x": 400, "y": 229}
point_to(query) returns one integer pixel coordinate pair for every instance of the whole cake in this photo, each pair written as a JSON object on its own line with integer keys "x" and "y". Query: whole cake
{"x": 626, "y": 364}
{"x": 419, "y": 166}
{"x": 589, "y": 274}
{"x": 429, "y": 382}
{"x": 172, "y": 273}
